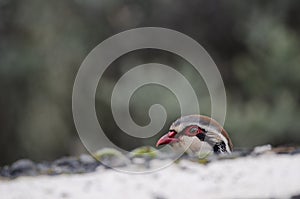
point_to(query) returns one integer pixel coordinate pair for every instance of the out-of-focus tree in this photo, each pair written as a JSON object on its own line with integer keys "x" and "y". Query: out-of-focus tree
{"x": 42, "y": 44}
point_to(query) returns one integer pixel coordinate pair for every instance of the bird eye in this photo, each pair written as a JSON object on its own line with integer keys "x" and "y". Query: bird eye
{"x": 192, "y": 131}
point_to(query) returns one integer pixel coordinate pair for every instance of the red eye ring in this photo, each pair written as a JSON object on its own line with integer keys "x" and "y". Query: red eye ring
{"x": 193, "y": 130}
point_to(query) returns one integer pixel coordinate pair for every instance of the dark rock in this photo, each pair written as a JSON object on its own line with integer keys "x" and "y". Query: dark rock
{"x": 44, "y": 168}
{"x": 5, "y": 172}
{"x": 23, "y": 167}
{"x": 85, "y": 163}
{"x": 66, "y": 165}
{"x": 296, "y": 151}
{"x": 88, "y": 162}
{"x": 70, "y": 162}
{"x": 296, "y": 196}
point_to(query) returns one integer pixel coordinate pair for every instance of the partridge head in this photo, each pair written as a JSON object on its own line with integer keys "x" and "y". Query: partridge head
{"x": 197, "y": 134}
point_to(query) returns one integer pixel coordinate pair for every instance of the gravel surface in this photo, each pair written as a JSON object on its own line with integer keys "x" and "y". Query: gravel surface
{"x": 268, "y": 175}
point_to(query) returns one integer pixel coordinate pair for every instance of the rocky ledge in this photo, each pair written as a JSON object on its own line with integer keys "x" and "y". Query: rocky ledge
{"x": 260, "y": 173}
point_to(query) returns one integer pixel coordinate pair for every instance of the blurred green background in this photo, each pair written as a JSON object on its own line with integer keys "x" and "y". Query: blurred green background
{"x": 255, "y": 44}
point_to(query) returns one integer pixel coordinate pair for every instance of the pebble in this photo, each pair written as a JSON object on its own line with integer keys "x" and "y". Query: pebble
{"x": 67, "y": 165}
{"x": 112, "y": 158}
{"x": 146, "y": 157}
{"x": 23, "y": 167}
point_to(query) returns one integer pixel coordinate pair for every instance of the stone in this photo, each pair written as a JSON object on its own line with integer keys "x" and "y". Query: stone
{"x": 23, "y": 167}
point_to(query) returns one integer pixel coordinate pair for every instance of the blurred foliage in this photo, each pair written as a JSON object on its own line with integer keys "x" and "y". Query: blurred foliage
{"x": 255, "y": 44}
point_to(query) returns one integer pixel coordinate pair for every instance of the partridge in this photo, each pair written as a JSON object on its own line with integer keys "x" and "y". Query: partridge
{"x": 197, "y": 134}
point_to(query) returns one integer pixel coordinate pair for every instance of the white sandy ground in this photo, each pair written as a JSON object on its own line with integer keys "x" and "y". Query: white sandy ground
{"x": 264, "y": 176}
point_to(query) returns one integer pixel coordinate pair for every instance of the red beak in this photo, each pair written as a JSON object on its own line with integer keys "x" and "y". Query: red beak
{"x": 167, "y": 139}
